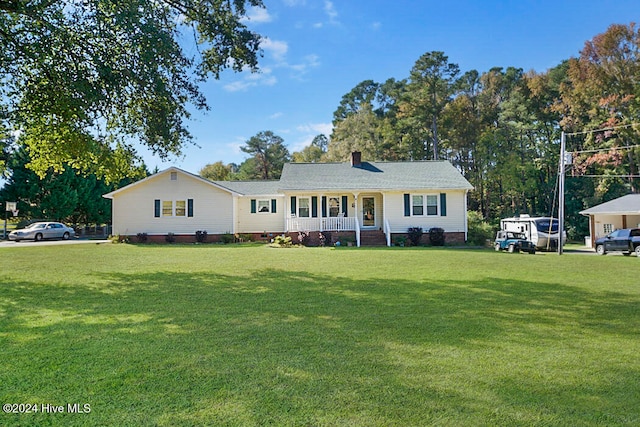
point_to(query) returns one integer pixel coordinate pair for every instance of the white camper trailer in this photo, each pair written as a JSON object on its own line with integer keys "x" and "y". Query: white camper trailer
{"x": 542, "y": 231}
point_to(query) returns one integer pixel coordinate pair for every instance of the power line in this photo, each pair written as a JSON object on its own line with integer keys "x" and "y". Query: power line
{"x": 602, "y": 130}
{"x": 626, "y": 147}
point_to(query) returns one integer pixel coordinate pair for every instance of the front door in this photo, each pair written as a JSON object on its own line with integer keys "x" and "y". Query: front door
{"x": 368, "y": 212}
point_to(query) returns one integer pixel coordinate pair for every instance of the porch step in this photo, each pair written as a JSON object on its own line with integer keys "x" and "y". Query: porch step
{"x": 372, "y": 238}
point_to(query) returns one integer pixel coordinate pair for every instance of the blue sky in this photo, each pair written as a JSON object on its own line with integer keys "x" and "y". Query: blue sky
{"x": 315, "y": 51}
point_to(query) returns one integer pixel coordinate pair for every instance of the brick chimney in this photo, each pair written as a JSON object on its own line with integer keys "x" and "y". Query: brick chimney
{"x": 356, "y": 158}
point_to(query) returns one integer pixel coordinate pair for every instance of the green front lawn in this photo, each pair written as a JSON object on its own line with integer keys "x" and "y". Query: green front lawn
{"x": 250, "y": 335}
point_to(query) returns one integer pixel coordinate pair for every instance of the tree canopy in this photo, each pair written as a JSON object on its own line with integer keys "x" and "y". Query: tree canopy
{"x": 86, "y": 80}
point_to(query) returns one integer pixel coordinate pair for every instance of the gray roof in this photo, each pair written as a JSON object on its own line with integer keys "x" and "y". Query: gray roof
{"x": 436, "y": 175}
{"x": 625, "y": 205}
{"x": 251, "y": 188}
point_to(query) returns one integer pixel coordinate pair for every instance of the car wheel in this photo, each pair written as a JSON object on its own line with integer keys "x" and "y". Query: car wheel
{"x": 65, "y": 236}
{"x": 532, "y": 251}
{"x": 38, "y": 237}
{"x": 600, "y": 250}
{"x": 497, "y": 247}
{"x": 638, "y": 251}
{"x": 512, "y": 249}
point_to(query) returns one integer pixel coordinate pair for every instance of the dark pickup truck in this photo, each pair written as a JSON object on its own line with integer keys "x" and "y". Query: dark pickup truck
{"x": 625, "y": 240}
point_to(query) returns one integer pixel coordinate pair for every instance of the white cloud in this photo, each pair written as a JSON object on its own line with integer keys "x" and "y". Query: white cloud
{"x": 295, "y": 2}
{"x": 264, "y": 78}
{"x": 277, "y": 48}
{"x": 276, "y": 115}
{"x": 258, "y": 15}
{"x": 330, "y": 10}
{"x": 376, "y": 25}
{"x": 315, "y": 129}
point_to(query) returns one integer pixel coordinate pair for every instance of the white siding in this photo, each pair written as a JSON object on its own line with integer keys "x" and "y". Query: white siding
{"x": 454, "y": 221}
{"x": 260, "y": 222}
{"x": 133, "y": 209}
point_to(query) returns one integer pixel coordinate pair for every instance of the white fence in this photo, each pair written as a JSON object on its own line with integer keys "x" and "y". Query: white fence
{"x": 321, "y": 224}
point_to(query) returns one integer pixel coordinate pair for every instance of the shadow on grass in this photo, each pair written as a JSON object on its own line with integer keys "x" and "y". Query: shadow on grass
{"x": 284, "y": 348}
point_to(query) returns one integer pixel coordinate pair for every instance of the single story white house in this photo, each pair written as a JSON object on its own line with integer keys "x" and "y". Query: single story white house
{"x": 623, "y": 212}
{"x": 371, "y": 200}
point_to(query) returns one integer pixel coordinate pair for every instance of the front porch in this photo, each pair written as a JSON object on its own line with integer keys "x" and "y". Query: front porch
{"x": 335, "y": 213}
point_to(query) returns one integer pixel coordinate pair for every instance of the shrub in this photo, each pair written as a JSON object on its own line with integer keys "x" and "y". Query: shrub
{"x": 282, "y": 242}
{"x": 479, "y": 230}
{"x": 304, "y": 237}
{"x": 248, "y": 237}
{"x": 415, "y": 235}
{"x": 436, "y": 236}
{"x": 201, "y": 236}
{"x": 324, "y": 237}
{"x": 227, "y": 238}
{"x": 399, "y": 240}
{"x": 170, "y": 238}
{"x": 142, "y": 237}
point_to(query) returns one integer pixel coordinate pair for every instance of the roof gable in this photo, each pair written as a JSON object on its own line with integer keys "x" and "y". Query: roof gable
{"x": 165, "y": 172}
{"x": 629, "y": 204}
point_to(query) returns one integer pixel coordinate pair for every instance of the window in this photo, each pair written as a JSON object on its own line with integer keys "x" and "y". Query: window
{"x": 174, "y": 176}
{"x": 423, "y": 205}
{"x": 264, "y": 205}
{"x": 608, "y": 228}
{"x": 303, "y": 207}
{"x": 167, "y": 208}
{"x": 432, "y": 205}
{"x": 334, "y": 206}
{"x": 181, "y": 208}
{"x": 418, "y": 205}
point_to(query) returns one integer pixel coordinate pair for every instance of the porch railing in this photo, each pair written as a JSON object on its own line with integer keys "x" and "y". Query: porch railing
{"x": 321, "y": 224}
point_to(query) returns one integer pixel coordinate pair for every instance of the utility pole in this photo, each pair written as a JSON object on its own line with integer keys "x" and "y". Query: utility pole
{"x": 561, "y": 192}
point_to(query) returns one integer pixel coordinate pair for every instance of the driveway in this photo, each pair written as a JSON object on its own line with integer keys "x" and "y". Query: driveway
{"x": 27, "y": 243}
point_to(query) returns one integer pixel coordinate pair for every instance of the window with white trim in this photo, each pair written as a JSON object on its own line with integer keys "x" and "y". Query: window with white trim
{"x": 608, "y": 228}
{"x": 264, "y": 206}
{"x": 304, "y": 207}
{"x": 334, "y": 207}
{"x": 181, "y": 207}
{"x": 167, "y": 208}
{"x": 424, "y": 205}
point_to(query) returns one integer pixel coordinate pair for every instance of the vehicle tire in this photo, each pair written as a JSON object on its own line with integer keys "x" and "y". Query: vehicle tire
{"x": 513, "y": 249}
{"x": 532, "y": 251}
{"x": 600, "y": 250}
{"x": 65, "y": 236}
{"x": 638, "y": 251}
{"x": 497, "y": 247}
{"x": 38, "y": 237}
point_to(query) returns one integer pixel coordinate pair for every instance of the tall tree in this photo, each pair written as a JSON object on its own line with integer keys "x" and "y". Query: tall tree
{"x": 217, "y": 171}
{"x": 269, "y": 152}
{"x": 83, "y": 79}
{"x": 431, "y": 85}
{"x": 314, "y": 152}
{"x": 603, "y": 91}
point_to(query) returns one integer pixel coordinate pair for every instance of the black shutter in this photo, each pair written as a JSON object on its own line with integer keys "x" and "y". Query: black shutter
{"x": 324, "y": 206}
{"x": 253, "y": 206}
{"x": 293, "y": 205}
{"x": 345, "y": 209}
{"x": 156, "y": 203}
{"x": 314, "y": 206}
{"x": 273, "y": 205}
{"x": 190, "y": 207}
{"x": 443, "y": 204}
{"x": 407, "y": 205}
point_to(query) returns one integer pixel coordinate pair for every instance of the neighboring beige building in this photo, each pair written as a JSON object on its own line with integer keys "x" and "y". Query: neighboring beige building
{"x": 371, "y": 200}
{"x": 623, "y": 212}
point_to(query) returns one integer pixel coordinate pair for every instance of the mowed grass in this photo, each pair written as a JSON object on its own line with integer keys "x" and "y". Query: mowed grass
{"x": 250, "y": 335}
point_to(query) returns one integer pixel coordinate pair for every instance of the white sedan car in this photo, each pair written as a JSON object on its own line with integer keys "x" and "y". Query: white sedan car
{"x": 43, "y": 230}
